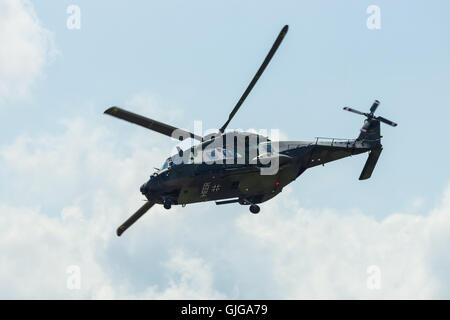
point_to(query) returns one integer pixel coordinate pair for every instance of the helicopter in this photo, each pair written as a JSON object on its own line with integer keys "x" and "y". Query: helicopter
{"x": 244, "y": 167}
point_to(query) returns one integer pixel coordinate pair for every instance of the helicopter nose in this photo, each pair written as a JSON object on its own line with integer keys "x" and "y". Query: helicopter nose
{"x": 144, "y": 188}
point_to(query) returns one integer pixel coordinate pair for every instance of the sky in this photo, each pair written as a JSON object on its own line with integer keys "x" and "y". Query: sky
{"x": 70, "y": 175}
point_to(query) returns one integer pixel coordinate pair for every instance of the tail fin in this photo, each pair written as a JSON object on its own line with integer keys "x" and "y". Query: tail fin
{"x": 372, "y": 159}
{"x": 370, "y": 132}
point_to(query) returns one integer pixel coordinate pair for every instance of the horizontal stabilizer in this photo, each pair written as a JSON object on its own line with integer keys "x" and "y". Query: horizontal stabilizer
{"x": 370, "y": 164}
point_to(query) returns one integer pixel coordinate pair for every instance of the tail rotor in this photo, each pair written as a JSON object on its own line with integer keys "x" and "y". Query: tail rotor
{"x": 370, "y": 134}
{"x": 370, "y": 115}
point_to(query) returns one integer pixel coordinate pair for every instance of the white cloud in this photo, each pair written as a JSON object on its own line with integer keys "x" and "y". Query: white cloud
{"x": 25, "y": 48}
{"x": 96, "y": 187}
{"x": 37, "y": 251}
{"x": 39, "y": 245}
{"x": 188, "y": 278}
{"x": 83, "y": 182}
{"x": 325, "y": 254}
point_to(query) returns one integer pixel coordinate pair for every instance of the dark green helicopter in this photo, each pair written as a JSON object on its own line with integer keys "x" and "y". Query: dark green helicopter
{"x": 244, "y": 167}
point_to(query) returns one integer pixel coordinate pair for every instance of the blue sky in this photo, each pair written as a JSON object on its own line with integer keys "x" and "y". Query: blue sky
{"x": 182, "y": 61}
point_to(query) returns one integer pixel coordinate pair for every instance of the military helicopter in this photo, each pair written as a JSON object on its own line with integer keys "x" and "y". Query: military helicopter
{"x": 243, "y": 167}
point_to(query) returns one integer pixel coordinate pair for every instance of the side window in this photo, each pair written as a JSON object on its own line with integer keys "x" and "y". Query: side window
{"x": 217, "y": 154}
{"x": 265, "y": 148}
{"x": 227, "y": 154}
{"x": 212, "y": 155}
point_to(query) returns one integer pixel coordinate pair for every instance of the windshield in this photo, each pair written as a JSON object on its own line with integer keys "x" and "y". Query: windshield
{"x": 166, "y": 164}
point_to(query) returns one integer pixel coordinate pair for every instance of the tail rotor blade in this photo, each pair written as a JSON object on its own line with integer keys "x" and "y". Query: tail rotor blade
{"x": 355, "y": 111}
{"x": 141, "y": 211}
{"x": 389, "y": 122}
{"x": 374, "y": 106}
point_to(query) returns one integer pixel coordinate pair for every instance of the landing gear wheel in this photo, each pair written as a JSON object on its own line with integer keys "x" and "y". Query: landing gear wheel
{"x": 254, "y": 209}
{"x": 167, "y": 204}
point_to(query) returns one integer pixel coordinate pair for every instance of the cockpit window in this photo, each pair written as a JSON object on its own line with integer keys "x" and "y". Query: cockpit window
{"x": 166, "y": 164}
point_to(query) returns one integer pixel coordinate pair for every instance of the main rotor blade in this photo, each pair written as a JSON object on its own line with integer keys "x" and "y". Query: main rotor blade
{"x": 374, "y": 106}
{"x": 355, "y": 111}
{"x": 257, "y": 75}
{"x": 134, "y": 217}
{"x": 151, "y": 124}
{"x": 389, "y": 122}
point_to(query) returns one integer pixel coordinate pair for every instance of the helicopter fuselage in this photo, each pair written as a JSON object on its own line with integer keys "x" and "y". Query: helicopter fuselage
{"x": 187, "y": 183}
